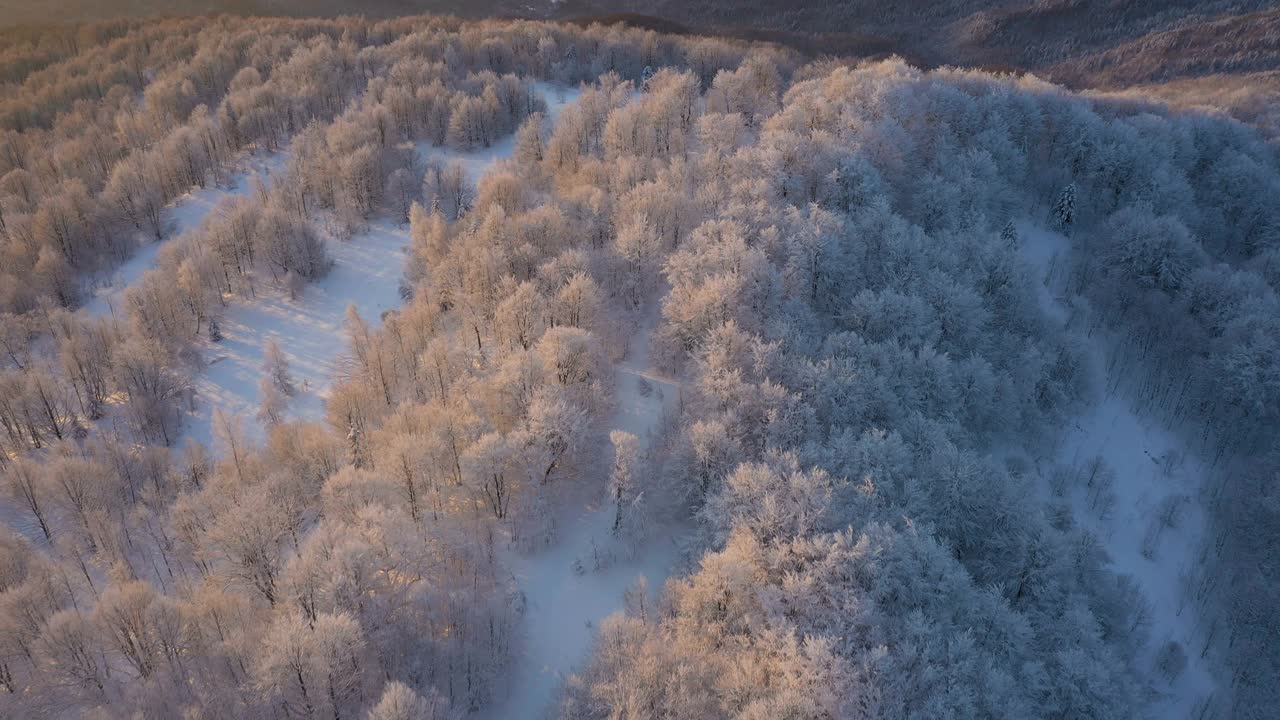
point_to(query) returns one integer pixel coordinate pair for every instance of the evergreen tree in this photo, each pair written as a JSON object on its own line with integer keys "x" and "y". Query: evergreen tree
{"x": 1009, "y": 235}
{"x": 1064, "y": 210}
{"x": 356, "y": 451}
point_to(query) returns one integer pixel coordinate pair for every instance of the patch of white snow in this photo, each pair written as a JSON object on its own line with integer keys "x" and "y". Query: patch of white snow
{"x": 1150, "y": 520}
{"x": 310, "y": 330}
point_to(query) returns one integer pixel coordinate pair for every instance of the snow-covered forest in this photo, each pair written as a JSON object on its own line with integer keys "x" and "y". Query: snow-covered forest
{"x": 428, "y": 369}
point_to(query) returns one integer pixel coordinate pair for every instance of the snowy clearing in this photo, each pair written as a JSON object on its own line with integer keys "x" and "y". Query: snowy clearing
{"x": 366, "y": 273}
{"x": 1150, "y": 520}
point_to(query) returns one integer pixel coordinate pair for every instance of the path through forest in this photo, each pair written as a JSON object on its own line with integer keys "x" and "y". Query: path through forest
{"x": 309, "y": 328}
{"x": 183, "y": 214}
{"x": 565, "y": 597}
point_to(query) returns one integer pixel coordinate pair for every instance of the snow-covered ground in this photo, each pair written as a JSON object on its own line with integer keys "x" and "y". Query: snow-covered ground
{"x": 185, "y": 213}
{"x": 556, "y": 97}
{"x": 366, "y": 273}
{"x": 1154, "y": 475}
{"x": 565, "y": 602}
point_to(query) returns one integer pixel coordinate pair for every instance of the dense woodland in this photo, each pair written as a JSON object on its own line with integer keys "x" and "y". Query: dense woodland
{"x": 832, "y": 255}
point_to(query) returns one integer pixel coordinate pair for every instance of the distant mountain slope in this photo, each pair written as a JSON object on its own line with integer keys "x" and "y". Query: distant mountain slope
{"x": 1223, "y": 54}
{"x": 1228, "y": 44}
{"x": 1083, "y": 43}
{"x": 1076, "y": 40}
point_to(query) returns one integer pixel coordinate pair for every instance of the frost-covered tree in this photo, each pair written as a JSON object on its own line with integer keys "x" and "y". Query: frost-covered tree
{"x": 275, "y": 368}
{"x": 447, "y": 190}
{"x": 153, "y": 386}
{"x": 69, "y": 649}
{"x": 402, "y": 192}
{"x": 309, "y": 669}
{"x": 400, "y": 702}
{"x": 531, "y": 142}
{"x": 251, "y": 543}
{"x": 272, "y": 402}
{"x": 623, "y": 490}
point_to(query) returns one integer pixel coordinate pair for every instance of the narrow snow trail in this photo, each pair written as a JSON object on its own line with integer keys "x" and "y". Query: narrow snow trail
{"x": 366, "y": 273}
{"x": 1154, "y": 475}
{"x": 185, "y": 213}
{"x": 477, "y": 162}
{"x": 563, "y": 605}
